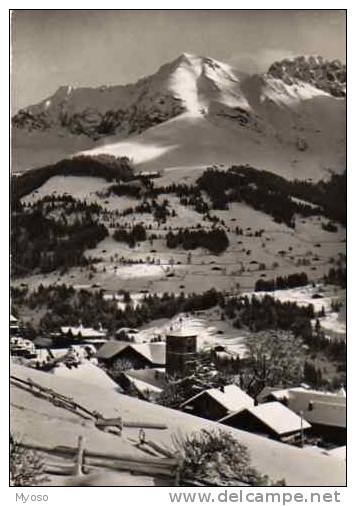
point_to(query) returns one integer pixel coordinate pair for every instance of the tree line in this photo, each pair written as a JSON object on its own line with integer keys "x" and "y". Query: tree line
{"x": 215, "y": 240}
{"x": 259, "y": 189}
{"x": 43, "y": 244}
{"x": 282, "y": 282}
{"x": 66, "y": 306}
{"x": 130, "y": 237}
{"x": 102, "y": 166}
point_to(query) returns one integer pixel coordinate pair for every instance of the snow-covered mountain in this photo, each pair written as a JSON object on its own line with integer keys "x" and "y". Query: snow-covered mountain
{"x": 194, "y": 111}
{"x": 189, "y": 83}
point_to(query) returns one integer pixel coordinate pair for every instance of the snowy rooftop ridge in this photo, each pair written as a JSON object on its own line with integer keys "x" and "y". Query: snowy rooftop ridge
{"x": 276, "y": 416}
{"x": 325, "y": 408}
{"x": 231, "y": 397}
{"x": 153, "y": 352}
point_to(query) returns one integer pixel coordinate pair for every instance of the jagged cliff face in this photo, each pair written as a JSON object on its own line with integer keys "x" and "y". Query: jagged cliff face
{"x": 197, "y": 110}
{"x": 100, "y": 112}
{"x": 327, "y": 76}
{"x": 96, "y": 124}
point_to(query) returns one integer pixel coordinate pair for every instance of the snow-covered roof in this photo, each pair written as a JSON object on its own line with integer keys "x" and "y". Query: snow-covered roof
{"x": 231, "y": 397}
{"x": 233, "y": 351}
{"x": 13, "y": 319}
{"x": 275, "y": 415}
{"x": 110, "y": 349}
{"x": 128, "y": 330}
{"x": 153, "y": 352}
{"x": 152, "y": 376}
{"x": 318, "y": 407}
{"x": 87, "y": 373}
{"x": 142, "y": 386}
{"x": 20, "y": 342}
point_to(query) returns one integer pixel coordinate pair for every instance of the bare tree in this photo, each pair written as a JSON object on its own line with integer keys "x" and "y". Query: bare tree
{"x": 277, "y": 358}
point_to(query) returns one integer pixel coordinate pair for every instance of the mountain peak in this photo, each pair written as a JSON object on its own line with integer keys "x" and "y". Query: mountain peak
{"x": 196, "y": 60}
{"x": 187, "y": 56}
{"x": 185, "y": 59}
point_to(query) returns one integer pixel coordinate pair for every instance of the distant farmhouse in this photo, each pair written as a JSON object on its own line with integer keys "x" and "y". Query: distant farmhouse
{"x": 148, "y": 174}
{"x": 84, "y": 332}
{"x": 88, "y": 335}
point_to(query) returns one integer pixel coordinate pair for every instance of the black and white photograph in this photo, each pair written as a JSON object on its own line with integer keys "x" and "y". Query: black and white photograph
{"x": 178, "y": 207}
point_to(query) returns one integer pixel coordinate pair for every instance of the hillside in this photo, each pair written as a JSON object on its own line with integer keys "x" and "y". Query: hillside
{"x": 193, "y": 111}
{"x": 264, "y": 239}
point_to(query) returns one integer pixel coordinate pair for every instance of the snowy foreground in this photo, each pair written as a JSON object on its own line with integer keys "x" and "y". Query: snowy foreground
{"x": 42, "y": 423}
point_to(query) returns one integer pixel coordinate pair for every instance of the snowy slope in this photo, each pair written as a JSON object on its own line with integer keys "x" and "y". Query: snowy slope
{"x": 193, "y": 111}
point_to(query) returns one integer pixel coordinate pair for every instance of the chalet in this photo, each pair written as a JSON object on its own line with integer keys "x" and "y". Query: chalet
{"x": 326, "y": 412}
{"x": 22, "y": 347}
{"x": 216, "y": 403}
{"x": 137, "y": 355}
{"x": 126, "y": 334}
{"x": 148, "y": 174}
{"x": 272, "y": 419}
{"x": 231, "y": 357}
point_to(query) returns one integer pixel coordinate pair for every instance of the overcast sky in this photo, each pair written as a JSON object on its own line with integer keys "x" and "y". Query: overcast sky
{"x": 90, "y": 48}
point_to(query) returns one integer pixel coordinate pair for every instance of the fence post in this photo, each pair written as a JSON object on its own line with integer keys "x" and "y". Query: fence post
{"x": 178, "y": 471}
{"x": 79, "y": 458}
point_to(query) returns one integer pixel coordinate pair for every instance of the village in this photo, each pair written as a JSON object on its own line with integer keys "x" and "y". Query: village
{"x": 260, "y": 360}
{"x": 171, "y": 370}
